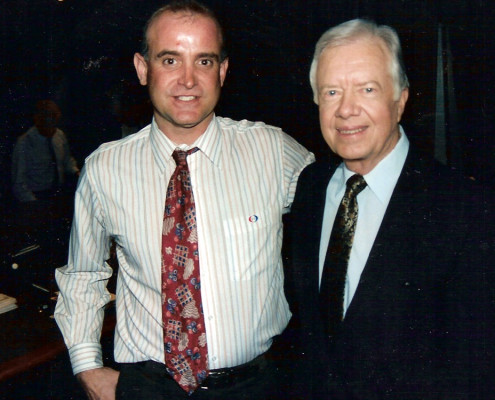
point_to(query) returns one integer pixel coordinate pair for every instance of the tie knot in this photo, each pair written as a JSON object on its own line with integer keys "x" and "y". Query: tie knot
{"x": 355, "y": 184}
{"x": 180, "y": 155}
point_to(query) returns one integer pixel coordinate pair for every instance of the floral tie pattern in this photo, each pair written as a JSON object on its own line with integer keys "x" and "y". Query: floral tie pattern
{"x": 337, "y": 258}
{"x": 183, "y": 322}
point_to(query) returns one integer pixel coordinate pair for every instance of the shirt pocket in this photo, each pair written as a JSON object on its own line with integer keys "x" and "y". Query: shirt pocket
{"x": 251, "y": 243}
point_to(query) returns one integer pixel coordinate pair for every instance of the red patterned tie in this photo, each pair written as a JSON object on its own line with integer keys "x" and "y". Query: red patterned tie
{"x": 183, "y": 321}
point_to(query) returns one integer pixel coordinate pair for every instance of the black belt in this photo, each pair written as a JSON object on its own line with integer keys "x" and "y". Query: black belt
{"x": 225, "y": 377}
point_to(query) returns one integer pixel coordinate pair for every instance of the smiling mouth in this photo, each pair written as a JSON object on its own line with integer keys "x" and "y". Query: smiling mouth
{"x": 351, "y": 131}
{"x": 186, "y": 98}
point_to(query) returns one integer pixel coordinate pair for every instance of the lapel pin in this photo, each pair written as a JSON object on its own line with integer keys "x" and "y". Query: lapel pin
{"x": 253, "y": 218}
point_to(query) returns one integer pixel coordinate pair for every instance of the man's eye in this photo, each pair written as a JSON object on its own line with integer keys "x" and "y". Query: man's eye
{"x": 206, "y": 62}
{"x": 169, "y": 61}
{"x": 332, "y": 92}
{"x": 369, "y": 90}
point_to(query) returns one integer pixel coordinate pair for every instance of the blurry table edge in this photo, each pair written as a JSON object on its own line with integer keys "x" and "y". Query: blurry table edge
{"x": 45, "y": 353}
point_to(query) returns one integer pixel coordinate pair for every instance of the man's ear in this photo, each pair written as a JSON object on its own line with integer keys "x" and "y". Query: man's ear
{"x": 223, "y": 70}
{"x": 402, "y": 103}
{"x": 141, "y": 68}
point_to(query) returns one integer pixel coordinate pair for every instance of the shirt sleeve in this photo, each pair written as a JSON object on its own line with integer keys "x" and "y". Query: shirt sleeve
{"x": 295, "y": 159}
{"x": 82, "y": 282}
{"x": 19, "y": 178}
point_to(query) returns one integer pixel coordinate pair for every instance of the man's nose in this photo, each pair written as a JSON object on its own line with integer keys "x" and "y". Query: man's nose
{"x": 348, "y": 106}
{"x": 188, "y": 76}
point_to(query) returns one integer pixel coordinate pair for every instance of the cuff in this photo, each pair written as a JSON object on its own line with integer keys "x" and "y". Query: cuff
{"x": 85, "y": 356}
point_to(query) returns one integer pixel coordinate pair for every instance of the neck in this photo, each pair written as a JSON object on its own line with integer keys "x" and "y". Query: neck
{"x": 181, "y": 134}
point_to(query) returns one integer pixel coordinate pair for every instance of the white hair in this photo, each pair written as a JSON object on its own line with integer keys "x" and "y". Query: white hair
{"x": 349, "y": 32}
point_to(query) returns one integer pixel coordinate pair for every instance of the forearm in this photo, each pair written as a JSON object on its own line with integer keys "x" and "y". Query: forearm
{"x": 99, "y": 383}
{"x": 82, "y": 283}
{"x": 71, "y": 165}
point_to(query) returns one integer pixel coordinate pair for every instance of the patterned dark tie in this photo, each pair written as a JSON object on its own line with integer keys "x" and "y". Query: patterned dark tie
{"x": 335, "y": 268}
{"x": 183, "y": 320}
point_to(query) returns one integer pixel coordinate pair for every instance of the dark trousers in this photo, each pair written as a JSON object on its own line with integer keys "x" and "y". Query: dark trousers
{"x": 150, "y": 381}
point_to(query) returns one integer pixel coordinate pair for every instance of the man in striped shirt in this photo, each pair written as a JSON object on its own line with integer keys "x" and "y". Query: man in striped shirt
{"x": 243, "y": 179}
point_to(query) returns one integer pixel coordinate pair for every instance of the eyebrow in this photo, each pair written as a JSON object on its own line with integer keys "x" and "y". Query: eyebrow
{"x": 369, "y": 83}
{"x": 165, "y": 53}
{"x": 215, "y": 56}
{"x": 359, "y": 84}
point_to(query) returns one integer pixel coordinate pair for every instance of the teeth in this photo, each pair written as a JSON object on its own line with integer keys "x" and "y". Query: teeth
{"x": 186, "y": 98}
{"x": 350, "y": 132}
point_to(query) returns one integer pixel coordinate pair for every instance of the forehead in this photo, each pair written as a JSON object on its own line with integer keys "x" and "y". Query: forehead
{"x": 365, "y": 56}
{"x": 174, "y": 30}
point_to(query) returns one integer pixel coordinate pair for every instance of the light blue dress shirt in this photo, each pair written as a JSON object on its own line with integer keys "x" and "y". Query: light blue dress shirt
{"x": 32, "y": 168}
{"x": 372, "y": 203}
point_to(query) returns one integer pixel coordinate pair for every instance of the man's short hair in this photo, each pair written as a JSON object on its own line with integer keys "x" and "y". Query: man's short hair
{"x": 184, "y": 6}
{"x": 350, "y": 31}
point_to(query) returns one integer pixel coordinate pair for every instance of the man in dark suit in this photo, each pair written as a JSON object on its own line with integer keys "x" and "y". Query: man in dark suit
{"x": 415, "y": 319}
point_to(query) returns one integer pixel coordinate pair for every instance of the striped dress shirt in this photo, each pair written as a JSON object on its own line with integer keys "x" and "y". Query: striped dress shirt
{"x": 243, "y": 178}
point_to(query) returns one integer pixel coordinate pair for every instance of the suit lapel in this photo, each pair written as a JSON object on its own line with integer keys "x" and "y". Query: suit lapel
{"x": 320, "y": 193}
{"x": 391, "y": 244}
{"x": 308, "y": 209}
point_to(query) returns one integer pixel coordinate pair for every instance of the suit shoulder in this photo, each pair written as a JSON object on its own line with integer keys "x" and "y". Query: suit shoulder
{"x": 436, "y": 177}
{"x": 312, "y": 183}
{"x": 317, "y": 172}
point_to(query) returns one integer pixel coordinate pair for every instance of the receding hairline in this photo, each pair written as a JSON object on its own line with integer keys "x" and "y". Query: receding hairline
{"x": 184, "y": 13}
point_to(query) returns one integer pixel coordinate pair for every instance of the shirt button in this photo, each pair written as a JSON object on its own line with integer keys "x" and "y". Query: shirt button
{"x": 213, "y": 359}
{"x": 210, "y": 317}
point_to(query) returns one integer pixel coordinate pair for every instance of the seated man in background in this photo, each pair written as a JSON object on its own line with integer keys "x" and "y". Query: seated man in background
{"x": 42, "y": 172}
{"x": 42, "y": 158}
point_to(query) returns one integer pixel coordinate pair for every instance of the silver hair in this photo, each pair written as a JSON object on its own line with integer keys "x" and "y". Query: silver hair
{"x": 350, "y": 31}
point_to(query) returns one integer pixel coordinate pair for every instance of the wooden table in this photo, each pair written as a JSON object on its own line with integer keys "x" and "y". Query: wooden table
{"x": 29, "y": 337}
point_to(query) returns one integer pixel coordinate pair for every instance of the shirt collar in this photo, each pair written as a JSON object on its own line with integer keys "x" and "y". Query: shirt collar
{"x": 382, "y": 179}
{"x": 209, "y": 143}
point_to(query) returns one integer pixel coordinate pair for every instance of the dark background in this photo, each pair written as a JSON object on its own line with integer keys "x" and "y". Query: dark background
{"x": 79, "y": 53}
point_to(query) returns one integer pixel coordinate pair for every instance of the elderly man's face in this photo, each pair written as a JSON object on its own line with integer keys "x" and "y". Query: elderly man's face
{"x": 184, "y": 74}
{"x": 359, "y": 115}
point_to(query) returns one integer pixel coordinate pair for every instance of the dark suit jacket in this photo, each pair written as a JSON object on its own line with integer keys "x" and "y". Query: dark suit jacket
{"x": 420, "y": 322}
